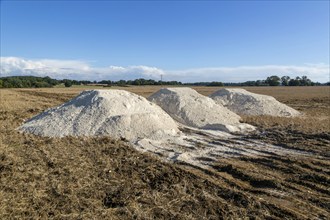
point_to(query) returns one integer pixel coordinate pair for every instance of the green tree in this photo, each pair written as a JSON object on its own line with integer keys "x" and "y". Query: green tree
{"x": 41, "y": 84}
{"x": 215, "y": 84}
{"x": 67, "y": 83}
{"x": 305, "y": 81}
{"x": 273, "y": 80}
{"x": 121, "y": 82}
{"x": 294, "y": 82}
{"x": 285, "y": 80}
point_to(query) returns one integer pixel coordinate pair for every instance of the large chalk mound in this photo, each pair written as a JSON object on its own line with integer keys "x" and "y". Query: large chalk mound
{"x": 115, "y": 113}
{"x": 195, "y": 110}
{"x": 248, "y": 103}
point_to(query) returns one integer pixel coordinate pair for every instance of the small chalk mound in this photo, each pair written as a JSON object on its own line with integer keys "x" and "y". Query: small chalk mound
{"x": 247, "y": 103}
{"x": 115, "y": 113}
{"x": 195, "y": 110}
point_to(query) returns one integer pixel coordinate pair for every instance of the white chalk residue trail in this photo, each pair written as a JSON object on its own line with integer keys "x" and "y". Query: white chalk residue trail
{"x": 247, "y": 103}
{"x": 201, "y": 148}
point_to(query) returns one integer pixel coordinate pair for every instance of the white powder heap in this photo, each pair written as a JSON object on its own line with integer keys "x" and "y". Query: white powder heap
{"x": 193, "y": 109}
{"x": 247, "y": 103}
{"x": 115, "y": 113}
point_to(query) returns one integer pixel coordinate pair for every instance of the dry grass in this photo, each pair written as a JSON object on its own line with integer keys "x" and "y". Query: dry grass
{"x": 101, "y": 178}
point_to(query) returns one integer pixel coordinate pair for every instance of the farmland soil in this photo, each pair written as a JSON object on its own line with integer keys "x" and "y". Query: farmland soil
{"x": 84, "y": 178}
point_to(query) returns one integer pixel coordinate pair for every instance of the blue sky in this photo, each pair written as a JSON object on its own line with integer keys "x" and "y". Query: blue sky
{"x": 187, "y": 40}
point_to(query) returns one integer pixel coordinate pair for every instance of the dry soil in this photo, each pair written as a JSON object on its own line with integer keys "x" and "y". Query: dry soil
{"x": 75, "y": 178}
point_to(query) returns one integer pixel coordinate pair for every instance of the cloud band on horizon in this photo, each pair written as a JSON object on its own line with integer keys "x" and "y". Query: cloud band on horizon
{"x": 82, "y": 70}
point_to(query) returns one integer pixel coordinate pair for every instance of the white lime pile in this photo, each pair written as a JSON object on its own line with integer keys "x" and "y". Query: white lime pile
{"x": 121, "y": 114}
{"x": 195, "y": 110}
{"x": 115, "y": 113}
{"x": 247, "y": 103}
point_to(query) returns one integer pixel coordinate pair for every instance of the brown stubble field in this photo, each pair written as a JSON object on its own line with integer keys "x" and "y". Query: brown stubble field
{"x": 100, "y": 178}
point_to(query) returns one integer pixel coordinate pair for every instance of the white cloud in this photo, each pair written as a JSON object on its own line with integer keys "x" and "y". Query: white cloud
{"x": 76, "y": 69}
{"x": 316, "y": 72}
{"x": 73, "y": 69}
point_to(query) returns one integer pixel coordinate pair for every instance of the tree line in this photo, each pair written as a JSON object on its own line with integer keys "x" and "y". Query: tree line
{"x": 287, "y": 81}
{"x": 41, "y": 82}
{"x": 27, "y": 82}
